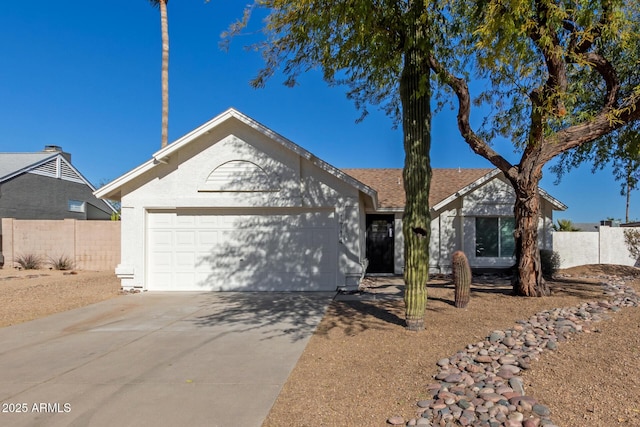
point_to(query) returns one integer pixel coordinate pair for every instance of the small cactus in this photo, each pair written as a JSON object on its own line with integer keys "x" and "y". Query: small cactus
{"x": 461, "y": 278}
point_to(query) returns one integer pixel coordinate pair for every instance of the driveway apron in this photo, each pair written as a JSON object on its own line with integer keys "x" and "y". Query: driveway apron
{"x": 156, "y": 359}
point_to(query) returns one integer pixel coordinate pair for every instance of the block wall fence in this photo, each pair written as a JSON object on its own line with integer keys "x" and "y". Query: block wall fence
{"x": 92, "y": 245}
{"x": 605, "y": 246}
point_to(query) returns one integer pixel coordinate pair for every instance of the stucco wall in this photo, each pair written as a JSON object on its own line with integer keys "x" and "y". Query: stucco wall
{"x": 606, "y": 246}
{"x": 197, "y": 176}
{"x": 92, "y": 245}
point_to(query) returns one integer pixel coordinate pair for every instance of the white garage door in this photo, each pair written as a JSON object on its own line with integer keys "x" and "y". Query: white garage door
{"x": 226, "y": 250}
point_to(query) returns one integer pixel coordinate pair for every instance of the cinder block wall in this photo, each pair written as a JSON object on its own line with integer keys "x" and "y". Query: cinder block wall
{"x": 606, "y": 246}
{"x": 93, "y": 245}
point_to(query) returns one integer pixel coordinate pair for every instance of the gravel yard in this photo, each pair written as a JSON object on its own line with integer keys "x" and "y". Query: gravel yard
{"x": 29, "y": 294}
{"x": 362, "y": 367}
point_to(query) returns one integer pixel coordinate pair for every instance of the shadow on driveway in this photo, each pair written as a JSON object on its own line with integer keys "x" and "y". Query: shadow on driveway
{"x": 278, "y": 314}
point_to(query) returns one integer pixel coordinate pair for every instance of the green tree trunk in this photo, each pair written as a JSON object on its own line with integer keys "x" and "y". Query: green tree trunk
{"x": 415, "y": 95}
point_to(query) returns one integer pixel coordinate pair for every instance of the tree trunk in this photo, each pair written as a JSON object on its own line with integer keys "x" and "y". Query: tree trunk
{"x": 165, "y": 74}
{"x": 527, "y": 279}
{"x": 415, "y": 95}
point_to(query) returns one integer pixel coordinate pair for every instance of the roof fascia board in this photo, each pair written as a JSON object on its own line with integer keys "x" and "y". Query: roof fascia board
{"x": 466, "y": 190}
{"x": 28, "y": 168}
{"x": 111, "y": 188}
{"x": 557, "y": 203}
{"x": 162, "y": 155}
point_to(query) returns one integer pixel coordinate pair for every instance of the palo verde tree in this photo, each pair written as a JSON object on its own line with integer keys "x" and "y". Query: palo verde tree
{"x": 620, "y": 149}
{"x": 552, "y": 68}
{"x": 164, "y": 26}
{"x": 379, "y": 50}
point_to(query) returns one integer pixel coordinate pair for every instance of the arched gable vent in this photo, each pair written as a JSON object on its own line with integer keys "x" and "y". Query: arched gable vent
{"x": 240, "y": 176}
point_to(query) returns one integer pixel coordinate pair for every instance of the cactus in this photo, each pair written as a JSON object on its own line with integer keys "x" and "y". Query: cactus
{"x": 461, "y": 278}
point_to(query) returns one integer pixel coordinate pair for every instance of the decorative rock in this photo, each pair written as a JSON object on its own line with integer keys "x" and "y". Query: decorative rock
{"x": 517, "y": 385}
{"x": 541, "y": 410}
{"x": 424, "y": 403}
{"x": 443, "y": 362}
{"x": 396, "y": 421}
{"x": 479, "y": 386}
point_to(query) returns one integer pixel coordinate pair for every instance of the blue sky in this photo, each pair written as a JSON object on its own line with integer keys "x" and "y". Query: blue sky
{"x": 86, "y": 76}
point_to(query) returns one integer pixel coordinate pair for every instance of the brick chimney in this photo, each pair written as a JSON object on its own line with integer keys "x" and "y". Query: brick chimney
{"x": 57, "y": 149}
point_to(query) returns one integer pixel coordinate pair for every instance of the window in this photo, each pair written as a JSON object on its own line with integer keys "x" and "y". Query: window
{"x": 76, "y": 206}
{"x": 494, "y": 237}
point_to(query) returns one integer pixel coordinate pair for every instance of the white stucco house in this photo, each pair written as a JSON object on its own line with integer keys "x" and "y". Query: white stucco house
{"x": 233, "y": 205}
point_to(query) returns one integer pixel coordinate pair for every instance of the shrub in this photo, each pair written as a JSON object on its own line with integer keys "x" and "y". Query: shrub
{"x": 63, "y": 262}
{"x": 28, "y": 261}
{"x": 550, "y": 262}
{"x": 632, "y": 239}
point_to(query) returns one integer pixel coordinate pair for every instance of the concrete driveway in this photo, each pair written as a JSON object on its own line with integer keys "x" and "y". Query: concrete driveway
{"x": 156, "y": 359}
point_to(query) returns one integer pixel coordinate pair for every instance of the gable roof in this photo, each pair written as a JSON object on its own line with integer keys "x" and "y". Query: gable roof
{"x": 52, "y": 164}
{"x": 446, "y": 185}
{"x": 112, "y": 190}
{"x": 390, "y": 187}
{"x": 12, "y": 164}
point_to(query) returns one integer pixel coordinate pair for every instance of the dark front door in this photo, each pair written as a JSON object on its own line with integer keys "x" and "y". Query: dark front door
{"x": 380, "y": 243}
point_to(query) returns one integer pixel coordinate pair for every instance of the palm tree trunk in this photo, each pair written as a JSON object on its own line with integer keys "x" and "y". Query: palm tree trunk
{"x": 165, "y": 73}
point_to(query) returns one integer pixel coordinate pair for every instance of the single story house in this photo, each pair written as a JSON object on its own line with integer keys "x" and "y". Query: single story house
{"x": 233, "y": 205}
{"x": 45, "y": 185}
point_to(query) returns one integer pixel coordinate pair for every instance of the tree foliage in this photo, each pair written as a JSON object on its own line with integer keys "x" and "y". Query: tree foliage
{"x": 564, "y": 225}
{"x": 554, "y": 71}
{"x": 632, "y": 240}
{"x": 379, "y": 50}
{"x": 620, "y": 149}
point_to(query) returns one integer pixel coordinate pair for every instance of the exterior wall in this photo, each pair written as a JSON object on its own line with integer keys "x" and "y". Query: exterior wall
{"x": 197, "y": 176}
{"x": 31, "y": 196}
{"x": 453, "y": 227}
{"x": 606, "y": 246}
{"x": 398, "y": 245}
{"x": 93, "y": 245}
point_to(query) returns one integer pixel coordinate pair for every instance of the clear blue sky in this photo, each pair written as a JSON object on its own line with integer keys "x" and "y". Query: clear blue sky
{"x": 85, "y": 75}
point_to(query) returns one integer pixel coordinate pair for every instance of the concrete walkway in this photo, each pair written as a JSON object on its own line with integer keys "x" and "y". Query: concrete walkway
{"x": 156, "y": 359}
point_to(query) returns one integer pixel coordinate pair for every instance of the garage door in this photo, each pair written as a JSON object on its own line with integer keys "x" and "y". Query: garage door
{"x": 228, "y": 250}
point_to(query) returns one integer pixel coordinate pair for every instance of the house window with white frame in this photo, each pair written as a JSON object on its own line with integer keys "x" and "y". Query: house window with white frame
{"x": 75, "y": 206}
{"x": 494, "y": 237}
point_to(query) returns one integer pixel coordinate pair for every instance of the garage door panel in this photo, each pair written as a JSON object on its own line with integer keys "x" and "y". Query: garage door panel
{"x": 185, "y": 238}
{"x": 161, "y": 238}
{"x": 207, "y": 238}
{"x": 240, "y": 251}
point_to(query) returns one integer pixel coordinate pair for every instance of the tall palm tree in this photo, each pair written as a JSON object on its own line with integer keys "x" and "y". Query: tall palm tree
{"x": 162, "y": 4}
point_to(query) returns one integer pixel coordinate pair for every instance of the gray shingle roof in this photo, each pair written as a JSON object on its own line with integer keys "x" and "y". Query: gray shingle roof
{"x": 12, "y": 163}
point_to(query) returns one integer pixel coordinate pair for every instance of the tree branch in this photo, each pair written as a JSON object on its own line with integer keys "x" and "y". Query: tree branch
{"x": 477, "y": 144}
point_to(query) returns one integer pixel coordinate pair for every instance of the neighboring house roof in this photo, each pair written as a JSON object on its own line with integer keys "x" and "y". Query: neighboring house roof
{"x": 53, "y": 164}
{"x": 12, "y": 164}
{"x": 446, "y": 185}
{"x": 587, "y": 226}
{"x": 46, "y": 163}
{"x": 112, "y": 190}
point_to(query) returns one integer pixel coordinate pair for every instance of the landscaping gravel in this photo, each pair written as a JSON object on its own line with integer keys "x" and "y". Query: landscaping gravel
{"x": 480, "y": 385}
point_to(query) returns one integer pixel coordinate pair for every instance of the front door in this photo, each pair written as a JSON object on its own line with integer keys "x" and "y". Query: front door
{"x": 380, "y": 230}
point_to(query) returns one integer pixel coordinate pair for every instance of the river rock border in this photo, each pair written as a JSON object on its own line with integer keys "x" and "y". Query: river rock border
{"x": 480, "y": 385}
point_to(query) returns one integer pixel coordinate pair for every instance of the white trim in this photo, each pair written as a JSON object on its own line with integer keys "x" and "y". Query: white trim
{"x": 163, "y": 156}
{"x": 558, "y": 205}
